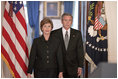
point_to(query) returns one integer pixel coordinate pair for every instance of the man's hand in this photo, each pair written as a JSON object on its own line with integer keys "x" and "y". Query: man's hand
{"x": 79, "y": 71}
{"x": 28, "y": 75}
{"x": 60, "y": 75}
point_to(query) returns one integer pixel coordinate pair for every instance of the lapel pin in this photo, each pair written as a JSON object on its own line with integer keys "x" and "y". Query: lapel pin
{"x": 73, "y": 35}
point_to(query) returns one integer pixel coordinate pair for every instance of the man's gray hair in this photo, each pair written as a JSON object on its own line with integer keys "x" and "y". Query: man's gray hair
{"x": 66, "y": 14}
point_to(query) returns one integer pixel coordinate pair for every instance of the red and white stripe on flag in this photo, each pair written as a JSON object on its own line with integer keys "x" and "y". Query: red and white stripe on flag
{"x": 14, "y": 50}
{"x": 98, "y": 25}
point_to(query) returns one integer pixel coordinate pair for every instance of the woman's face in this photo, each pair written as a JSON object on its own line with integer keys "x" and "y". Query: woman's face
{"x": 47, "y": 28}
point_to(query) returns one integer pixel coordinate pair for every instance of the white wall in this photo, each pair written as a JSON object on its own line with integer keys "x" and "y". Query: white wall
{"x": 111, "y": 14}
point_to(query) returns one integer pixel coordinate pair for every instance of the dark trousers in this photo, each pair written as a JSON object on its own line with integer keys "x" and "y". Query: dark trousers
{"x": 65, "y": 75}
{"x": 48, "y": 73}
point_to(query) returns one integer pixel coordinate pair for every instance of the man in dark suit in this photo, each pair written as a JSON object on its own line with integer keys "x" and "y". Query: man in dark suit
{"x": 72, "y": 47}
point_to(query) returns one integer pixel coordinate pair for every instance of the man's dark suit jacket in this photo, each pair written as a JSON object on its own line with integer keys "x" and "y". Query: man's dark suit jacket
{"x": 74, "y": 55}
{"x": 45, "y": 55}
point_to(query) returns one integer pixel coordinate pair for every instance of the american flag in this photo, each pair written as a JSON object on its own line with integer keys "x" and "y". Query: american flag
{"x": 99, "y": 23}
{"x": 14, "y": 50}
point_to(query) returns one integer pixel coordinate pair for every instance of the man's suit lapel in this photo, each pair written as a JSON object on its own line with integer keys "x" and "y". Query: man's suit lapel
{"x": 63, "y": 44}
{"x": 72, "y": 35}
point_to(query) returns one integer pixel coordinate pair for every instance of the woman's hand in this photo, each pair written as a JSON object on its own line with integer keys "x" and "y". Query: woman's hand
{"x": 28, "y": 75}
{"x": 60, "y": 75}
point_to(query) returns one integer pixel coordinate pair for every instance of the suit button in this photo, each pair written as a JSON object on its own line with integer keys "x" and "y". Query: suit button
{"x": 47, "y": 57}
{"x": 47, "y": 61}
{"x": 47, "y": 51}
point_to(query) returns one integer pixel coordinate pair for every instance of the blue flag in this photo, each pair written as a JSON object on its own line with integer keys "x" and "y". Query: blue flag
{"x": 96, "y": 40}
{"x": 33, "y": 16}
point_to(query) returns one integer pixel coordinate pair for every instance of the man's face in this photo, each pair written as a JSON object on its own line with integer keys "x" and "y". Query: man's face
{"x": 67, "y": 22}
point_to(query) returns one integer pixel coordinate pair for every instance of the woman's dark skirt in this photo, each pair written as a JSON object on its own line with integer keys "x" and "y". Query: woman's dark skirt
{"x": 46, "y": 73}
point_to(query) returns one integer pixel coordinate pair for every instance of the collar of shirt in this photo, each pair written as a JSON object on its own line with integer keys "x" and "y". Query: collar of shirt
{"x": 46, "y": 41}
{"x": 64, "y": 32}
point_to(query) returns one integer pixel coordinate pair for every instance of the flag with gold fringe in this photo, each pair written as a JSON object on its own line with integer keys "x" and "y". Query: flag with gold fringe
{"x": 96, "y": 34}
{"x": 14, "y": 50}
